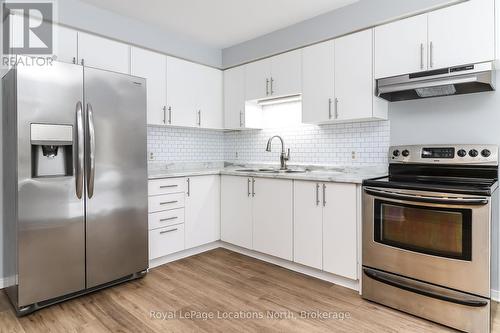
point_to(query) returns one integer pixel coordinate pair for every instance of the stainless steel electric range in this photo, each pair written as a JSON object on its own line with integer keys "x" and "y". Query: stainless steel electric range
{"x": 430, "y": 234}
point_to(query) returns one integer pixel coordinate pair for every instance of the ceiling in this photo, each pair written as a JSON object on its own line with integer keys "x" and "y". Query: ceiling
{"x": 220, "y": 23}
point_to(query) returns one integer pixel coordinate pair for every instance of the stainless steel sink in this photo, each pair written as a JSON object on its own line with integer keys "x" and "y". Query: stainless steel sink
{"x": 272, "y": 170}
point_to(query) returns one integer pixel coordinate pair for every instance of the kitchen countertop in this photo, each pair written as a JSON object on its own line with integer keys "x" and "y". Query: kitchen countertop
{"x": 347, "y": 174}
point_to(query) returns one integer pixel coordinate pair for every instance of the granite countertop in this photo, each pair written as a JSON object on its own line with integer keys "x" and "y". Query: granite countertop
{"x": 347, "y": 174}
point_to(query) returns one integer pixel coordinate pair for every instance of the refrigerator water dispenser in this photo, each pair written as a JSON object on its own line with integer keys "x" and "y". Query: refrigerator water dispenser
{"x": 51, "y": 150}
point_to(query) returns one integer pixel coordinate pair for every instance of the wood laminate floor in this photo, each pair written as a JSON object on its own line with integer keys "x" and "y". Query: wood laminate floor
{"x": 222, "y": 284}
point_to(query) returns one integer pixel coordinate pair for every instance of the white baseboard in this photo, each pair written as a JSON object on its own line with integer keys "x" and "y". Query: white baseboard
{"x": 3, "y": 283}
{"x": 183, "y": 254}
{"x": 495, "y": 295}
{"x": 332, "y": 278}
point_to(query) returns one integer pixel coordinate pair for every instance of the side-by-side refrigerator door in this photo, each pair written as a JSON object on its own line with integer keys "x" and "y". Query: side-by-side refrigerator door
{"x": 51, "y": 226}
{"x": 116, "y": 170}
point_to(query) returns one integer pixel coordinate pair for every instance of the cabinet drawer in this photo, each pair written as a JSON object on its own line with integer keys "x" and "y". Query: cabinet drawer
{"x": 166, "y": 202}
{"x": 165, "y": 218}
{"x": 166, "y": 186}
{"x": 165, "y": 241}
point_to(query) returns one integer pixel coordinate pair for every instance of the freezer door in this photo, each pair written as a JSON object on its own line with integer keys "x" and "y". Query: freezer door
{"x": 116, "y": 176}
{"x": 51, "y": 226}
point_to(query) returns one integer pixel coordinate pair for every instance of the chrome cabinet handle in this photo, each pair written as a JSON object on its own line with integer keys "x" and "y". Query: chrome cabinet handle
{"x": 241, "y": 118}
{"x": 267, "y": 87}
{"x": 336, "y": 108}
{"x": 168, "y": 186}
{"x": 199, "y": 117}
{"x": 189, "y": 187}
{"x": 169, "y": 219}
{"x": 170, "y": 115}
{"x": 91, "y": 151}
{"x": 253, "y": 187}
{"x": 167, "y": 231}
{"x": 431, "y": 55}
{"x": 329, "y": 108}
{"x": 164, "y": 114}
{"x": 168, "y": 202}
{"x": 248, "y": 187}
{"x": 324, "y": 195}
{"x": 421, "y": 55}
{"x": 80, "y": 146}
{"x": 272, "y": 83}
{"x": 317, "y": 194}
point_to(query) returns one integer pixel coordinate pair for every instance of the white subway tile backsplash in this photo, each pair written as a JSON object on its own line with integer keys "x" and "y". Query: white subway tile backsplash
{"x": 326, "y": 144}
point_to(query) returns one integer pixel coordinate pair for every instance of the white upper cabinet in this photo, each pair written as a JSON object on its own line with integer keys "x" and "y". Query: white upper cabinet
{"x": 286, "y": 74}
{"x": 462, "y": 34}
{"x": 457, "y": 35}
{"x": 401, "y": 47}
{"x": 318, "y": 84}
{"x": 208, "y": 86}
{"x": 153, "y": 67}
{"x": 65, "y": 44}
{"x": 274, "y": 77}
{"x": 202, "y": 211}
{"x": 234, "y": 98}
{"x": 181, "y": 92}
{"x": 257, "y": 79}
{"x": 103, "y": 53}
{"x": 339, "y": 230}
{"x": 354, "y": 83}
{"x": 236, "y": 211}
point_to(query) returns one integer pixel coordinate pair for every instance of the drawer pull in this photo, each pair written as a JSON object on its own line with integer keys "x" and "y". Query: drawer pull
{"x": 168, "y": 186}
{"x": 169, "y": 219}
{"x": 168, "y": 202}
{"x": 167, "y": 231}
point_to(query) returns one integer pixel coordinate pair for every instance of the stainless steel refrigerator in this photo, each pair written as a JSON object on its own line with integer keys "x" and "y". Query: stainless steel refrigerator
{"x": 75, "y": 182}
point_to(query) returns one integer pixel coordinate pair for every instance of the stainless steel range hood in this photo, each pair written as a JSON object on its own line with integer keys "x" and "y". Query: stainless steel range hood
{"x": 441, "y": 82}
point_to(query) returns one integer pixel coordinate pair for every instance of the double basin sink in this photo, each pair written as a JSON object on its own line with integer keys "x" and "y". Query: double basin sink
{"x": 274, "y": 171}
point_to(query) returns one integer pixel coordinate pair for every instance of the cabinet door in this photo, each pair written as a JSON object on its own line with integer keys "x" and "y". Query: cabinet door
{"x": 234, "y": 98}
{"x": 65, "y": 44}
{"x": 353, "y": 76}
{"x": 257, "y": 79}
{"x": 339, "y": 230}
{"x": 236, "y": 211}
{"x": 308, "y": 224}
{"x": 272, "y": 217}
{"x": 153, "y": 67}
{"x": 181, "y": 95}
{"x": 103, "y": 53}
{"x": 462, "y": 34}
{"x": 209, "y": 97}
{"x": 401, "y": 47}
{"x": 318, "y": 82}
{"x": 202, "y": 216}
{"x": 286, "y": 74}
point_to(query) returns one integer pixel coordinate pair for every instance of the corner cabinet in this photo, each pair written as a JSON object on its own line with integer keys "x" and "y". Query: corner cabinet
{"x": 338, "y": 83}
{"x": 457, "y": 35}
{"x": 234, "y": 98}
{"x": 103, "y": 53}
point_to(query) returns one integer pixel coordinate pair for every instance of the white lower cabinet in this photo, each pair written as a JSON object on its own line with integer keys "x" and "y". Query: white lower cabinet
{"x": 164, "y": 241}
{"x": 236, "y": 211}
{"x": 325, "y": 227}
{"x": 272, "y": 217}
{"x": 308, "y": 224}
{"x": 340, "y": 230}
{"x": 202, "y": 218}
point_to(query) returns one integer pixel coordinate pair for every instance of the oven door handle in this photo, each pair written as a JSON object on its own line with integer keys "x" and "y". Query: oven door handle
{"x": 472, "y": 201}
{"x": 429, "y": 291}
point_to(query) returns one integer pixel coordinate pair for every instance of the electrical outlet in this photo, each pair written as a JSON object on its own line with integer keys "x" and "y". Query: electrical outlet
{"x": 151, "y": 156}
{"x": 236, "y": 155}
{"x": 353, "y": 155}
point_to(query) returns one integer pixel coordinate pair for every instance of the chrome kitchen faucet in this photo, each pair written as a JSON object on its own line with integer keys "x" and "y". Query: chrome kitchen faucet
{"x": 284, "y": 156}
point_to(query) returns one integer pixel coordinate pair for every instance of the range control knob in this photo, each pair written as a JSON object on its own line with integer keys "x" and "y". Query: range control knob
{"x": 406, "y": 153}
{"x": 462, "y": 153}
{"x": 473, "y": 153}
{"x": 395, "y": 153}
{"x": 485, "y": 153}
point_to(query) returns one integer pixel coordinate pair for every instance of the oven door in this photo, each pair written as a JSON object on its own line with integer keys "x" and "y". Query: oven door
{"x": 433, "y": 237}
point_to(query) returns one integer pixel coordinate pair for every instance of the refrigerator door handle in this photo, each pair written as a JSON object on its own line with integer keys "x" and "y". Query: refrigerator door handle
{"x": 91, "y": 151}
{"x": 80, "y": 149}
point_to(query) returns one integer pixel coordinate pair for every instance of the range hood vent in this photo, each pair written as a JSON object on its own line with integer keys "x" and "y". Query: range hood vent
{"x": 442, "y": 82}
